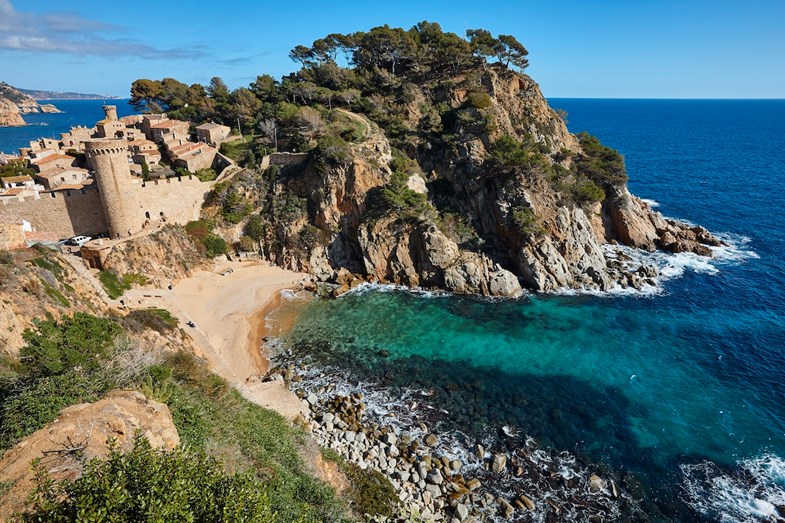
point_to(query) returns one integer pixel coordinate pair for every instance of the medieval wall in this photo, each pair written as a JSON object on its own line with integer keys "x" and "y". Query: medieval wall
{"x": 65, "y": 213}
{"x": 178, "y": 200}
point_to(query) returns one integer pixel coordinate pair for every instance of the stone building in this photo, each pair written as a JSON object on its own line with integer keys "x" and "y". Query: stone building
{"x": 212, "y": 133}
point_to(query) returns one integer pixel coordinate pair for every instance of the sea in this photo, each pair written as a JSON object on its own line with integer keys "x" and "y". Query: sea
{"x": 51, "y": 125}
{"x": 679, "y": 391}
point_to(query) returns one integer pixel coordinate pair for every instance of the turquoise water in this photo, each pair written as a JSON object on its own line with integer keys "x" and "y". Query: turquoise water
{"x": 43, "y": 125}
{"x": 680, "y": 393}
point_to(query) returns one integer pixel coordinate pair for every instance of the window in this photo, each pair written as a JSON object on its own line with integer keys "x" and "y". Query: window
{"x": 147, "y": 214}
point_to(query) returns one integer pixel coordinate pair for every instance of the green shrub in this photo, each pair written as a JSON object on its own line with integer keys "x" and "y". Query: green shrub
{"x": 115, "y": 286}
{"x": 599, "y": 163}
{"x": 585, "y": 190}
{"x": 331, "y": 151}
{"x": 210, "y": 414}
{"x": 209, "y": 243}
{"x": 206, "y": 175}
{"x": 215, "y": 245}
{"x": 39, "y": 403}
{"x": 154, "y": 318}
{"x": 526, "y": 221}
{"x": 152, "y": 485}
{"x": 478, "y": 100}
{"x": 371, "y": 492}
{"x": 56, "y": 346}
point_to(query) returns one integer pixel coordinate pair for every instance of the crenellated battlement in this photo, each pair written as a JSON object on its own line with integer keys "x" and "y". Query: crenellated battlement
{"x": 92, "y": 152}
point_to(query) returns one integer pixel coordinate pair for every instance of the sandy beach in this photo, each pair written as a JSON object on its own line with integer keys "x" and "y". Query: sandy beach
{"x": 228, "y": 305}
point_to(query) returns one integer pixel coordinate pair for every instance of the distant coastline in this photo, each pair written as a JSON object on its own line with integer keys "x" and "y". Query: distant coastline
{"x": 58, "y": 95}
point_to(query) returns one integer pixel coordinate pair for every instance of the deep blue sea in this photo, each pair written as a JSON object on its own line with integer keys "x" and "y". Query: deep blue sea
{"x": 681, "y": 393}
{"x": 42, "y": 125}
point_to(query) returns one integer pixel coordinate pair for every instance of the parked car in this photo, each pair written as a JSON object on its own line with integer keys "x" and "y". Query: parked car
{"x": 78, "y": 241}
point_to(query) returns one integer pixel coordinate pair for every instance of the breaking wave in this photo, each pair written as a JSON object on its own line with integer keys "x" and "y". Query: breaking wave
{"x": 752, "y": 492}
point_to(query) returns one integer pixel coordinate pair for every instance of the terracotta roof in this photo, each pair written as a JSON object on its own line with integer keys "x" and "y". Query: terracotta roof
{"x": 168, "y": 124}
{"x": 68, "y": 187}
{"x": 51, "y": 158}
{"x": 13, "y": 192}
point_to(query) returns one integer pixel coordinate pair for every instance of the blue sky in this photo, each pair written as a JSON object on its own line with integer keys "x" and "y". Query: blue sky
{"x": 588, "y": 48}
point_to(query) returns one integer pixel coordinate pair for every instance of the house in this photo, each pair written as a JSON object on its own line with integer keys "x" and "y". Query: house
{"x": 52, "y": 161}
{"x": 212, "y": 133}
{"x": 75, "y": 138}
{"x": 11, "y": 182}
{"x": 160, "y": 130}
{"x": 109, "y": 129}
{"x": 193, "y": 156}
{"x": 56, "y": 176}
{"x": 148, "y": 120}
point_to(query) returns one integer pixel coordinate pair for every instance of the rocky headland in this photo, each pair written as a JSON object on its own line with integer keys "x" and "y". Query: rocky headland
{"x": 492, "y": 196}
{"x": 14, "y": 104}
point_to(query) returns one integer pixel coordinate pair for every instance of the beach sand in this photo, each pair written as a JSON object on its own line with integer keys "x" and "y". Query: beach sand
{"x": 228, "y": 305}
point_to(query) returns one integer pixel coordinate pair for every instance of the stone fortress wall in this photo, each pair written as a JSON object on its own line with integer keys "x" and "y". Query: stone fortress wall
{"x": 65, "y": 213}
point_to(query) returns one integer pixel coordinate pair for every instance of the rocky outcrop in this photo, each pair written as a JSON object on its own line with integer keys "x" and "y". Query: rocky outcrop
{"x": 9, "y": 114}
{"x": 163, "y": 256}
{"x": 81, "y": 433}
{"x": 533, "y": 225}
{"x": 14, "y": 103}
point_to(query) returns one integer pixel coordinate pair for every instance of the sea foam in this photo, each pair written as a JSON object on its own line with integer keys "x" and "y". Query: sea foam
{"x": 748, "y": 494}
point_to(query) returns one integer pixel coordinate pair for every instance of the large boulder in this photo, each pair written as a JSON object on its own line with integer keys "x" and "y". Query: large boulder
{"x": 82, "y": 432}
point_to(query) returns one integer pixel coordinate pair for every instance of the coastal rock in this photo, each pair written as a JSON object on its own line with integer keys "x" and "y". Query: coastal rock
{"x": 86, "y": 430}
{"x": 499, "y": 463}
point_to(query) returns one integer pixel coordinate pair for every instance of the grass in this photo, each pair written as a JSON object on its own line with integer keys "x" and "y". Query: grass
{"x": 52, "y": 266}
{"x": 209, "y": 414}
{"x": 115, "y": 286}
{"x": 237, "y": 150}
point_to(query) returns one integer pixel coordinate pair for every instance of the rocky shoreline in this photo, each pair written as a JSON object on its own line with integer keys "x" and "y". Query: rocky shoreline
{"x": 447, "y": 475}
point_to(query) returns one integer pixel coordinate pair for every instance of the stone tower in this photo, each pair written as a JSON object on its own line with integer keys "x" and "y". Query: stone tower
{"x": 110, "y": 111}
{"x": 109, "y": 161}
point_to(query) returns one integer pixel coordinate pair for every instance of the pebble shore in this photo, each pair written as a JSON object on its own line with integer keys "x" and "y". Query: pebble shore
{"x": 447, "y": 476}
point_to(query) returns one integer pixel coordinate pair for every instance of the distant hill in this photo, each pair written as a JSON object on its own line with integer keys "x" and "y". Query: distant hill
{"x": 57, "y": 95}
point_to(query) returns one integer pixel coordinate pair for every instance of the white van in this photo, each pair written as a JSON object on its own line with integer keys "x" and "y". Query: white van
{"x": 78, "y": 241}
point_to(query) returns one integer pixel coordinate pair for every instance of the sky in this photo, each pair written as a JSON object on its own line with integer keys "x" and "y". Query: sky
{"x": 577, "y": 49}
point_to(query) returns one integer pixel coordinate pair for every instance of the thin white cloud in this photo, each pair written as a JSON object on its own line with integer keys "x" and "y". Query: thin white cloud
{"x": 69, "y": 33}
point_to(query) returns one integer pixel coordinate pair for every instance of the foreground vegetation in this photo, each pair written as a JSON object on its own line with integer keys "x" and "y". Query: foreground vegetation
{"x": 238, "y": 461}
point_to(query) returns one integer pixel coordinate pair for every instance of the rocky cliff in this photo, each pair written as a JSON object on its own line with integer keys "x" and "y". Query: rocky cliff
{"x": 497, "y": 196}
{"x": 14, "y": 103}
{"x": 81, "y": 433}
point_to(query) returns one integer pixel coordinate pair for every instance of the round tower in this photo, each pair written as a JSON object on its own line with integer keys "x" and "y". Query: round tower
{"x": 109, "y": 161}
{"x": 110, "y": 111}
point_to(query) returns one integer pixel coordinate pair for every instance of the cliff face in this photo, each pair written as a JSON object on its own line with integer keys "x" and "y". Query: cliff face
{"x": 540, "y": 216}
{"x": 14, "y": 103}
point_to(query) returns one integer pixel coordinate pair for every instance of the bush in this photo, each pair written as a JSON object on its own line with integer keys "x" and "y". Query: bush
{"x": 115, "y": 286}
{"x": 152, "y": 485}
{"x": 38, "y": 404}
{"x": 585, "y": 190}
{"x": 56, "y": 346}
{"x": 209, "y": 243}
{"x": 526, "y": 221}
{"x": 215, "y": 245}
{"x": 206, "y": 175}
{"x": 210, "y": 414}
{"x": 371, "y": 491}
{"x": 478, "y": 100}
{"x": 154, "y": 318}
{"x": 599, "y": 163}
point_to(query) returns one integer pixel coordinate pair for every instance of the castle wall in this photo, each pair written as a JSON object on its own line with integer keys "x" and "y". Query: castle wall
{"x": 66, "y": 213}
{"x": 179, "y": 200}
